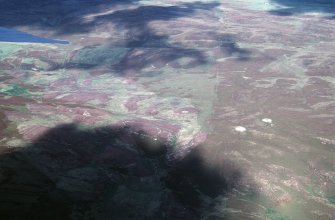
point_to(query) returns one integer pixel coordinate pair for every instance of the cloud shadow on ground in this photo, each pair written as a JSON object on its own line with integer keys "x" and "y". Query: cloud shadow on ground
{"x": 114, "y": 172}
{"x": 304, "y": 6}
{"x": 137, "y": 46}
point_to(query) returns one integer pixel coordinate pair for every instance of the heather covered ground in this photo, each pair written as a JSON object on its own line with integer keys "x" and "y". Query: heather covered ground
{"x": 170, "y": 109}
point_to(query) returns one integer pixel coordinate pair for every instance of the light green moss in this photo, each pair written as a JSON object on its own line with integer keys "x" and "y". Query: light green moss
{"x": 272, "y": 214}
{"x": 7, "y": 49}
{"x": 14, "y": 90}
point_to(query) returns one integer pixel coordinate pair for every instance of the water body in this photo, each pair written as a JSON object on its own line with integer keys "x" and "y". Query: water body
{"x": 11, "y": 35}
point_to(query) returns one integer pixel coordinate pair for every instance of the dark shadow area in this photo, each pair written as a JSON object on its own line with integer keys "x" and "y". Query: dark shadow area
{"x": 305, "y": 6}
{"x": 60, "y": 16}
{"x": 130, "y": 61}
{"x": 64, "y": 17}
{"x": 113, "y": 172}
{"x": 230, "y": 47}
{"x": 135, "y": 46}
{"x": 144, "y": 47}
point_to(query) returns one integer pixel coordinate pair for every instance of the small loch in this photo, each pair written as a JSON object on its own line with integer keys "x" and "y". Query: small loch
{"x": 11, "y": 35}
